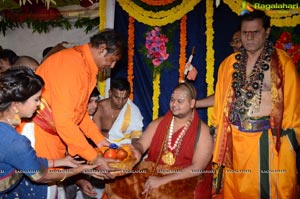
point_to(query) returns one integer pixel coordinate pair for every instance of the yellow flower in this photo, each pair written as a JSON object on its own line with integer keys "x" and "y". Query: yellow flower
{"x": 159, "y": 18}
{"x": 210, "y": 61}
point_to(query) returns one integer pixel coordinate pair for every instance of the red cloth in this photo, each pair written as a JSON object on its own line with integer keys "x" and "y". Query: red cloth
{"x": 186, "y": 152}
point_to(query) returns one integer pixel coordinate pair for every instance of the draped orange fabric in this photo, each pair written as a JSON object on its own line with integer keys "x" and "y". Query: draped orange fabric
{"x": 70, "y": 77}
{"x": 253, "y": 166}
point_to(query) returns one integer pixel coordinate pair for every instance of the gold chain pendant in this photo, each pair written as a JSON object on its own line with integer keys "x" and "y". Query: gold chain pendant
{"x": 168, "y": 158}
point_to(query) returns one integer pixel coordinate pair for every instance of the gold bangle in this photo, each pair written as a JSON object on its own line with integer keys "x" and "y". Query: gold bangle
{"x": 64, "y": 177}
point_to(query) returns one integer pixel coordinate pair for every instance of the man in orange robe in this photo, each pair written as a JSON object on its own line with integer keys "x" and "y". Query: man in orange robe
{"x": 257, "y": 116}
{"x": 179, "y": 155}
{"x": 70, "y": 75}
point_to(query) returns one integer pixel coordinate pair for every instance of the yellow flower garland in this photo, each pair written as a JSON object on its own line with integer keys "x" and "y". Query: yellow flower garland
{"x": 182, "y": 53}
{"x": 159, "y": 18}
{"x": 156, "y": 93}
{"x": 210, "y": 61}
{"x": 102, "y": 14}
{"x": 278, "y": 18}
{"x": 130, "y": 54}
{"x": 102, "y": 18}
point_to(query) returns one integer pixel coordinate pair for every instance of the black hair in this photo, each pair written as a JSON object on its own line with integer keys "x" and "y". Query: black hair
{"x": 95, "y": 92}
{"x": 120, "y": 84}
{"x": 257, "y": 14}
{"x": 9, "y": 55}
{"x": 17, "y": 85}
{"x": 46, "y": 51}
{"x": 113, "y": 41}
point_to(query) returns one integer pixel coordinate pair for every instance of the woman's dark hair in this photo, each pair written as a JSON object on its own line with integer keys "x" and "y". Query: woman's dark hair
{"x": 257, "y": 14}
{"x": 113, "y": 41}
{"x": 17, "y": 85}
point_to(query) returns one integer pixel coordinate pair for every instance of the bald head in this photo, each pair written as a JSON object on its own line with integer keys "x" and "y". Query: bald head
{"x": 27, "y": 61}
{"x": 188, "y": 88}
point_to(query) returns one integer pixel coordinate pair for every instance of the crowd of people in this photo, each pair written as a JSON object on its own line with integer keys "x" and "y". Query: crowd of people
{"x": 54, "y": 123}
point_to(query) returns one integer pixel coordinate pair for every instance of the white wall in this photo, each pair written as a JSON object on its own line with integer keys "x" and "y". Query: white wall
{"x": 24, "y": 42}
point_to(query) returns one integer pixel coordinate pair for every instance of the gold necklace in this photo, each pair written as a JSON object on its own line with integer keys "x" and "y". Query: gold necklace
{"x": 7, "y": 122}
{"x": 169, "y": 157}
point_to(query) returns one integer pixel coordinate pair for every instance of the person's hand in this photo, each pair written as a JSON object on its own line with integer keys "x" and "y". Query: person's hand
{"x": 137, "y": 154}
{"x": 103, "y": 143}
{"x": 102, "y": 168}
{"x": 152, "y": 183}
{"x": 87, "y": 168}
{"x": 86, "y": 187}
{"x": 71, "y": 162}
{"x": 68, "y": 161}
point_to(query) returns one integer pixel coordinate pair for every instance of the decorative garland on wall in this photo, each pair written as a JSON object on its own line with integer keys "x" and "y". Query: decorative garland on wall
{"x": 278, "y": 18}
{"x": 182, "y": 53}
{"x": 41, "y": 19}
{"x": 156, "y": 93}
{"x": 102, "y": 14}
{"x": 156, "y": 69}
{"x": 130, "y": 54}
{"x": 210, "y": 60}
{"x": 159, "y": 18}
{"x": 38, "y": 26}
{"x": 102, "y": 20}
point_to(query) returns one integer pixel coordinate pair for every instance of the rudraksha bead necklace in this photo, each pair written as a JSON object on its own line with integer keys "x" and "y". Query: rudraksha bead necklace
{"x": 248, "y": 90}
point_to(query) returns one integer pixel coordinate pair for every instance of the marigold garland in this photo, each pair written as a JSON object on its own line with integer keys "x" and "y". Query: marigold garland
{"x": 101, "y": 83}
{"x": 159, "y": 18}
{"x": 182, "y": 53}
{"x": 278, "y": 18}
{"x": 102, "y": 14}
{"x": 102, "y": 18}
{"x": 156, "y": 93}
{"x": 210, "y": 61}
{"x": 157, "y": 2}
{"x": 130, "y": 54}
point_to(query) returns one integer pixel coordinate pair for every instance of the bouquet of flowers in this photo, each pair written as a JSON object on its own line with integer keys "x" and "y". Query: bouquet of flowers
{"x": 285, "y": 43}
{"x": 156, "y": 46}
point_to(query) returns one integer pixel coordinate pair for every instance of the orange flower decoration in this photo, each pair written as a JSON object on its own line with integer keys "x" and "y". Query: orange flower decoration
{"x": 182, "y": 55}
{"x": 130, "y": 54}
